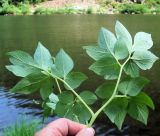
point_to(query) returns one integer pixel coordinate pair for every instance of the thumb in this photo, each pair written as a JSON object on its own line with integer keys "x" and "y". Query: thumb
{"x": 86, "y": 132}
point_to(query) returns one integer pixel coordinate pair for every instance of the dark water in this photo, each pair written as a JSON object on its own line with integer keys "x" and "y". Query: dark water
{"x": 71, "y": 32}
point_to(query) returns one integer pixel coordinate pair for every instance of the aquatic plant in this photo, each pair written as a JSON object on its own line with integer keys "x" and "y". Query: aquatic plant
{"x": 118, "y": 58}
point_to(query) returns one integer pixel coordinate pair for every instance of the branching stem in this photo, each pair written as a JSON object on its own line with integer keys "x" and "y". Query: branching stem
{"x": 112, "y": 97}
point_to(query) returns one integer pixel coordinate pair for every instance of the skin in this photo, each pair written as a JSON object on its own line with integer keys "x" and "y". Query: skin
{"x": 65, "y": 127}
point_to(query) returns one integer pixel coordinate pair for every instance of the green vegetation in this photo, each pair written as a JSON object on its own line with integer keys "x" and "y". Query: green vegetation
{"x": 27, "y": 7}
{"x": 23, "y": 128}
{"x": 116, "y": 58}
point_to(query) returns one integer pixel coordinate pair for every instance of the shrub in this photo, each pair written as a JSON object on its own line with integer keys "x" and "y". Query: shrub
{"x": 44, "y": 11}
{"x": 9, "y": 9}
{"x": 134, "y": 9}
{"x": 24, "y": 8}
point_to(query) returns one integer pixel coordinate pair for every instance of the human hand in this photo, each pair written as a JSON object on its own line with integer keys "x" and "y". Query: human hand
{"x": 65, "y": 127}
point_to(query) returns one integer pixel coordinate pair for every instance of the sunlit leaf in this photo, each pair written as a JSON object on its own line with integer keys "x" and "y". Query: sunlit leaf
{"x": 96, "y": 52}
{"x": 106, "y": 40}
{"x": 144, "y": 59}
{"x": 120, "y": 49}
{"x": 122, "y": 32}
{"x": 43, "y": 57}
{"x": 63, "y": 63}
{"x": 142, "y": 41}
{"x": 21, "y": 71}
{"x": 30, "y": 83}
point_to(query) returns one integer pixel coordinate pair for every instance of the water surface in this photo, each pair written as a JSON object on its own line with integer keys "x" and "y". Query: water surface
{"x": 71, "y": 32}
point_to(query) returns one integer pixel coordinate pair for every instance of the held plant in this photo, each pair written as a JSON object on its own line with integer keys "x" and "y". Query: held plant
{"x": 117, "y": 58}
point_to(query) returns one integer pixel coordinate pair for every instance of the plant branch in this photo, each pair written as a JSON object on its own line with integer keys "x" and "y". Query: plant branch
{"x": 74, "y": 92}
{"x": 59, "y": 88}
{"x": 112, "y": 97}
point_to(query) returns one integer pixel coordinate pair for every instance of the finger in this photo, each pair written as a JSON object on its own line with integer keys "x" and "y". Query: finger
{"x": 61, "y": 127}
{"x": 86, "y": 132}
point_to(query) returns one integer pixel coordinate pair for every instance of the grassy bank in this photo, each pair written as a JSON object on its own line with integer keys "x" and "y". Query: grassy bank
{"x": 102, "y": 7}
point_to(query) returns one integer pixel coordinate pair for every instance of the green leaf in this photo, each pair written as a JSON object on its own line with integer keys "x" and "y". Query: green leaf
{"x": 144, "y": 59}
{"x": 63, "y": 63}
{"x": 21, "y": 58}
{"x": 43, "y": 57}
{"x": 53, "y": 100}
{"x": 131, "y": 69}
{"x": 143, "y": 98}
{"x": 106, "y": 67}
{"x": 116, "y": 111}
{"x": 122, "y": 32}
{"x": 105, "y": 90}
{"x": 89, "y": 97}
{"x": 138, "y": 112}
{"x": 142, "y": 41}
{"x": 66, "y": 97}
{"x": 21, "y": 71}
{"x": 106, "y": 40}
{"x": 132, "y": 86}
{"x": 30, "y": 83}
{"x": 46, "y": 88}
{"x": 120, "y": 49}
{"x": 81, "y": 112}
{"x": 62, "y": 109}
{"x": 74, "y": 79}
{"x": 96, "y": 52}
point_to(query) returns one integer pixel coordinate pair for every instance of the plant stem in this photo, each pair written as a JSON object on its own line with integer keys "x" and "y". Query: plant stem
{"x": 74, "y": 92}
{"x": 112, "y": 97}
{"x": 59, "y": 88}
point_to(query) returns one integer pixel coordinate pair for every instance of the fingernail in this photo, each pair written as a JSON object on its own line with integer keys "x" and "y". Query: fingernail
{"x": 90, "y": 130}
